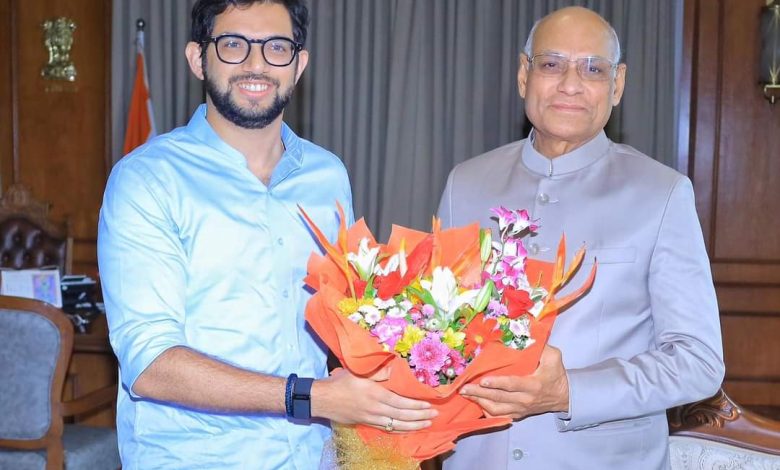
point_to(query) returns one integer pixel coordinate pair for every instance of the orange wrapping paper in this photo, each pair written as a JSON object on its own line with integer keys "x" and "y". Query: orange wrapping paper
{"x": 361, "y": 353}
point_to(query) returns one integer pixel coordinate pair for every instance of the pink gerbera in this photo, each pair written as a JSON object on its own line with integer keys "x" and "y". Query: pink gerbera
{"x": 429, "y": 354}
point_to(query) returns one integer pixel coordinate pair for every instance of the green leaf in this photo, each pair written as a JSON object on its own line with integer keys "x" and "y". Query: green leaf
{"x": 370, "y": 292}
{"x": 424, "y": 295}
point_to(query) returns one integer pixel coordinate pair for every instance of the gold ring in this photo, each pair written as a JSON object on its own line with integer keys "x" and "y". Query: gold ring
{"x": 389, "y": 426}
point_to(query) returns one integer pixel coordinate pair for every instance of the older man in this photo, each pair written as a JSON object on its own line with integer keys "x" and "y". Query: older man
{"x": 647, "y": 336}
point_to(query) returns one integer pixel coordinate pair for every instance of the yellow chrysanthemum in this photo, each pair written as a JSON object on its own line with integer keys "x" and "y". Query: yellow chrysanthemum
{"x": 453, "y": 339}
{"x": 348, "y": 306}
{"x": 412, "y": 335}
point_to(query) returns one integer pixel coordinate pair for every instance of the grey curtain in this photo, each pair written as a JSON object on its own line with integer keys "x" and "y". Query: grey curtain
{"x": 403, "y": 90}
{"x": 175, "y": 92}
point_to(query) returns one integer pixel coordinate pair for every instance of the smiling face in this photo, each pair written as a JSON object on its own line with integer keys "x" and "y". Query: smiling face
{"x": 567, "y": 111}
{"x": 252, "y": 94}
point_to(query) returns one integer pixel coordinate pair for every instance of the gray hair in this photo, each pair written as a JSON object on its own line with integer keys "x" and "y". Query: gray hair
{"x": 529, "y": 43}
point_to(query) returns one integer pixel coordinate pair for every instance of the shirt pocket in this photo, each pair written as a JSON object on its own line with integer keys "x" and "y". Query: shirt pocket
{"x": 611, "y": 255}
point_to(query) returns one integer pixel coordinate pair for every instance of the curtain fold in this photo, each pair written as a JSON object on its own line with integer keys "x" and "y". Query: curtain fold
{"x": 402, "y": 90}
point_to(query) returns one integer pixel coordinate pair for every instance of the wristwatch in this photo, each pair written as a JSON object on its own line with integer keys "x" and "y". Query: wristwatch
{"x": 301, "y": 398}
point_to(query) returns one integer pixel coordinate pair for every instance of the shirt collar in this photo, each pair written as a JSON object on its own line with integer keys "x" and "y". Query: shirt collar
{"x": 292, "y": 158}
{"x": 575, "y": 160}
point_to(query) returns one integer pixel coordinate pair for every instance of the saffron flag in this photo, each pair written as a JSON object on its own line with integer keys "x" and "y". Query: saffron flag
{"x": 140, "y": 119}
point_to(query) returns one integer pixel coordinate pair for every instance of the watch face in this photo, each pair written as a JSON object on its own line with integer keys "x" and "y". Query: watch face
{"x": 301, "y": 398}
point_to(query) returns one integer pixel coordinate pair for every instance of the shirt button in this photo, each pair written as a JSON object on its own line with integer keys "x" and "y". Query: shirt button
{"x": 517, "y": 454}
{"x": 285, "y": 293}
{"x": 543, "y": 198}
{"x": 280, "y": 241}
{"x": 533, "y": 249}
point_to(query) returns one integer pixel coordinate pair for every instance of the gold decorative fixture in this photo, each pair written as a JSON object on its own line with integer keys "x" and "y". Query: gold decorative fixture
{"x": 770, "y": 50}
{"x": 58, "y": 39}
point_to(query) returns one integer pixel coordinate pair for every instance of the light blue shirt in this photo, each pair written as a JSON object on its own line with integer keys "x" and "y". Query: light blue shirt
{"x": 196, "y": 251}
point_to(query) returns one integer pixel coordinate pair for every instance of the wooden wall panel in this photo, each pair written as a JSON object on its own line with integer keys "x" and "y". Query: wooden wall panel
{"x": 750, "y": 300}
{"x": 748, "y": 182}
{"x": 758, "y": 395}
{"x": 6, "y": 116}
{"x": 705, "y": 81}
{"x": 62, "y": 133}
{"x": 63, "y": 126}
{"x": 747, "y": 358}
{"x": 736, "y": 173}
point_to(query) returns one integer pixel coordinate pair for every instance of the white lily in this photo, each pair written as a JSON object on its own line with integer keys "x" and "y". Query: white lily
{"x": 396, "y": 262}
{"x": 392, "y": 265}
{"x": 365, "y": 259}
{"x": 444, "y": 290}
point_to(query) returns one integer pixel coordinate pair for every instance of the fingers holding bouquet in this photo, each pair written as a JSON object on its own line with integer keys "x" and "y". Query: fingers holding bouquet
{"x": 546, "y": 390}
{"x": 347, "y": 399}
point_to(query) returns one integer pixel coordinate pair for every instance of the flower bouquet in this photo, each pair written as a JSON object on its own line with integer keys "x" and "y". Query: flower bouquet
{"x": 442, "y": 309}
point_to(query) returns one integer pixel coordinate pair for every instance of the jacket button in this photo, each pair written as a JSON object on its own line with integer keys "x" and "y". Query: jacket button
{"x": 543, "y": 198}
{"x": 517, "y": 454}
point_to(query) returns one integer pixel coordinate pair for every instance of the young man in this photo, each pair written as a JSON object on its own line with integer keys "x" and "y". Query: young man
{"x": 647, "y": 336}
{"x": 202, "y": 256}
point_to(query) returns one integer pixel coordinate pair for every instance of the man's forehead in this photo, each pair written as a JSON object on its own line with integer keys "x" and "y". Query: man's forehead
{"x": 255, "y": 18}
{"x": 580, "y": 39}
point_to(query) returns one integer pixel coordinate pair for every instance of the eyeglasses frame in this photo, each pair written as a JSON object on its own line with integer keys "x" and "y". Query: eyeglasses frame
{"x": 612, "y": 65}
{"x": 297, "y": 47}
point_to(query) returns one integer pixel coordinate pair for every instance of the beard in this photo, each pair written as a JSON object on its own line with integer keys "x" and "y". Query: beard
{"x": 253, "y": 117}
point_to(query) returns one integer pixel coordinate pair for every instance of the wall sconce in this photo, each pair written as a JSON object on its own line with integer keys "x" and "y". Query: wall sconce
{"x": 770, "y": 50}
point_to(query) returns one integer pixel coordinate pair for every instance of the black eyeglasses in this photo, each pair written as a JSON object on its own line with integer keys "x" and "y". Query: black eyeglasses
{"x": 234, "y": 49}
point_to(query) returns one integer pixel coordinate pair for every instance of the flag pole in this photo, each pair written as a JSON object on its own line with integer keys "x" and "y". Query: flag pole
{"x": 140, "y": 120}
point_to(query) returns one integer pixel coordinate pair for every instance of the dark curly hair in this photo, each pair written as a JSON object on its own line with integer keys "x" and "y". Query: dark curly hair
{"x": 205, "y": 11}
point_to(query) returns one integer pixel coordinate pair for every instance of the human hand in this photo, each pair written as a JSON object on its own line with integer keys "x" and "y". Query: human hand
{"x": 347, "y": 399}
{"x": 546, "y": 390}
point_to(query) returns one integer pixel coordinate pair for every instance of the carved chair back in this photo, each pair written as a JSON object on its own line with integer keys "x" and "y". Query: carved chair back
{"x": 28, "y": 239}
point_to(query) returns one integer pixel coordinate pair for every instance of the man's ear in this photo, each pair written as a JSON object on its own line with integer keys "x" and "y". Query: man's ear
{"x": 194, "y": 58}
{"x": 522, "y": 74}
{"x": 301, "y": 63}
{"x": 620, "y": 83}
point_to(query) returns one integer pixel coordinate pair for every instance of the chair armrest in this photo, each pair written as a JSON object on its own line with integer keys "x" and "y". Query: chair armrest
{"x": 89, "y": 402}
{"x": 720, "y": 419}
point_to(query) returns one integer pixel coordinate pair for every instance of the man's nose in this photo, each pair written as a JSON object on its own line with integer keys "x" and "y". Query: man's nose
{"x": 571, "y": 82}
{"x": 255, "y": 60}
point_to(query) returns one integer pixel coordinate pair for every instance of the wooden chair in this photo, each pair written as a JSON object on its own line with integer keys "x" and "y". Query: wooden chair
{"x": 36, "y": 342}
{"x": 718, "y": 433}
{"x": 28, "y": 239}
